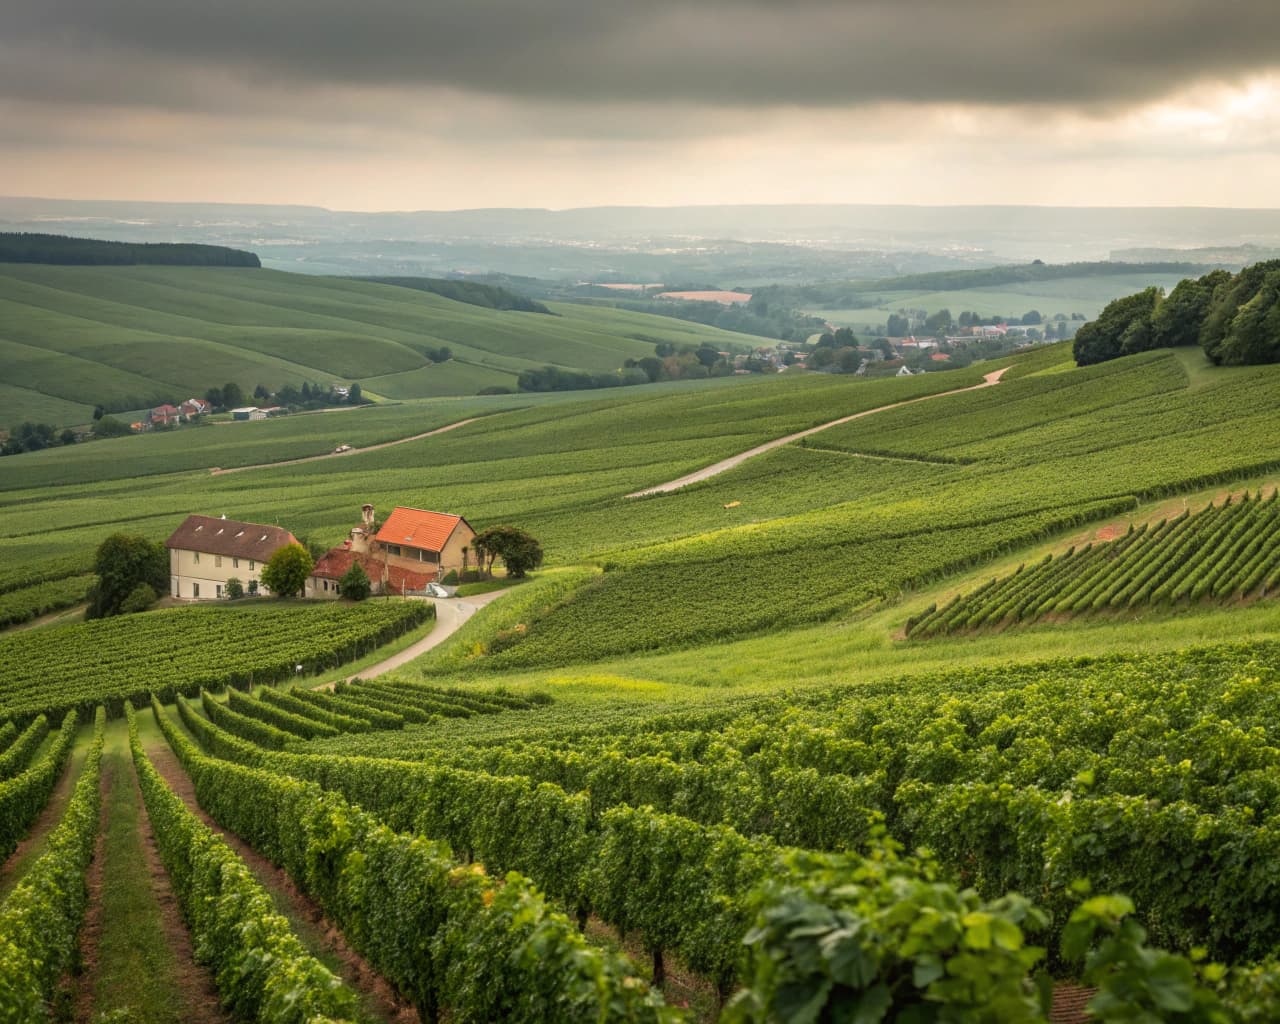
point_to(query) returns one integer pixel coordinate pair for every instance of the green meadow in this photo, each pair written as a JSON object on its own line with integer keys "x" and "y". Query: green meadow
{"x": 1084, "y": 295}
{"x": 130, "y": 337}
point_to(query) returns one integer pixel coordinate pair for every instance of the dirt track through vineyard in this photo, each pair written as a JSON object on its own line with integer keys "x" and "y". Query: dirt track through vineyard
{"x": 338, "y": 455}
{"x": 724, "y": 465}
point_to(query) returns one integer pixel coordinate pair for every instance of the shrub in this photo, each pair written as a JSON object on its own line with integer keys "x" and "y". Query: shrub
{"x": 354, "y": 585}
{"x": 140, "y": 599}
{"x": 235, "y": 589}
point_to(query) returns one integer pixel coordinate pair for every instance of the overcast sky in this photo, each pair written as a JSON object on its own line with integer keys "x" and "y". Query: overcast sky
{"x": 416, "y": 104}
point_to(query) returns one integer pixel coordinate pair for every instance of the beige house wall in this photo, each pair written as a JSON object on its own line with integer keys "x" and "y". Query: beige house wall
{"x": 200, "y": 576}
{"x": 450, "y": 556}
{"x": 323, "y": 588}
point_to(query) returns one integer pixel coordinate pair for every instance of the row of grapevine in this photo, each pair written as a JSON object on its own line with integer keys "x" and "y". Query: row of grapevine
{"x": 1224, "y": 551}
{"x": 767, "y": 911}
{"x": 246, "y": 727}
{"x": 684, "y": 885}
{"x": 8, "y": 733}
{"x": 126, "y": 658}
{"x": 15, "y": 758}
{"x": 40, "y": 918}
{"x": 262, "y": 970}
{"x": 284, "y": 716}
{"x": 24, "y": 796}
{"x": 1184, "y": 748}
{"x": 296, "y": 724}
{"x": 448, "y": 936}
{"x": 26, "y": 604}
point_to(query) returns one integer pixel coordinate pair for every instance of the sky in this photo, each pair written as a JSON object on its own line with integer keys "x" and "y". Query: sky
{"x": 418, "y": 104}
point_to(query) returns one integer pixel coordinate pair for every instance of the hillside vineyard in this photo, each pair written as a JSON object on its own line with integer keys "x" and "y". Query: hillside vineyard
{"x": 963, "y": 710}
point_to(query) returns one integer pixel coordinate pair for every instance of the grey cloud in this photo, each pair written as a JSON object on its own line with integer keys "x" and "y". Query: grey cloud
{"x": 735, "y": 53}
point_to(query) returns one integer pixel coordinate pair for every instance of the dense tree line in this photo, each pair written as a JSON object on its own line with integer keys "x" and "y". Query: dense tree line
{"x": 667, "y": 363}
{"x": 758, "y": 317}
{"x": 1234, "y": 317}
{"x": 473, "y": 293}
{"x": 25, "y": 247}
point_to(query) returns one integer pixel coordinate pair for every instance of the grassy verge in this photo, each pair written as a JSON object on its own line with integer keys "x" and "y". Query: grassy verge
{"x": 134, "y": 967}
{"x": 352, "y": 668}
{"x": 489, "y": 586}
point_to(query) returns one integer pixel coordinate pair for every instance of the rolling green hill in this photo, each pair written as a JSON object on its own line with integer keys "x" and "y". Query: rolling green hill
{"x": 130, "y": 337}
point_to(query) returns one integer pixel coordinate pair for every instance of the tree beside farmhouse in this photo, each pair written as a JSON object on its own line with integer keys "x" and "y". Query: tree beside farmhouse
{"x": 286, "y": 572}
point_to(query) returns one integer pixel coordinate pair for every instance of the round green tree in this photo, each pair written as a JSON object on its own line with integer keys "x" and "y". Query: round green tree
{"x": 286, "y": 571}
{"x": 122, "y": 562}
{"x": 354, "y": 585}
{"x": 519, "y": 551}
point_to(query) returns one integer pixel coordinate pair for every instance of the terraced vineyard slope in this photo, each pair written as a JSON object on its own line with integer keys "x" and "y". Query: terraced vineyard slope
{"x": 1230, "y": 551}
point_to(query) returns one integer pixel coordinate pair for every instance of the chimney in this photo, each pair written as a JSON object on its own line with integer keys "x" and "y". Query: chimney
{"x": 366, "y": 514}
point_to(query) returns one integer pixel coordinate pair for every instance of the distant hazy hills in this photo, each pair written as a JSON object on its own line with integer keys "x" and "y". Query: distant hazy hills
{"x": 734, "y": 245}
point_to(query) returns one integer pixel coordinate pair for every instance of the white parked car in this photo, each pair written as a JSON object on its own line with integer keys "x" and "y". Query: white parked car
{"x": 342, "y": 448}
{"x": 436, "y": 590}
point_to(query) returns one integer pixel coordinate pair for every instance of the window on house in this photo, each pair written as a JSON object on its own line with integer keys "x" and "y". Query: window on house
{"x": 195, "y": 557}
{"x": 195, "y": 590}
{"x": 217, "y": 590}
{"x": 235, "y": 563}
{"x": 252, "y": 565}
{"x": 393, "y": 549}
{"x": 217, "y": 561}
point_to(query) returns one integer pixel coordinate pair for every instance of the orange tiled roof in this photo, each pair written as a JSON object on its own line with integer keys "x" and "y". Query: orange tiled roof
{"x": 336, "y": 562}
{"x": 418, "y": 528}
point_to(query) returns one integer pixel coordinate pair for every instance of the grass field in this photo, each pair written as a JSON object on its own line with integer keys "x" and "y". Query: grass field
{"x": 131, "y": 337}
{"x": 1084, "y": 295}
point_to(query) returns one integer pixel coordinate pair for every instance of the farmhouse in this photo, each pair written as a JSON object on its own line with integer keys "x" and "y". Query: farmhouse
{"x": 206, "y": 551}
{"x": 194, "y": 407}
{"x": 164, "y": 416}
{"x": 412, "y": 548}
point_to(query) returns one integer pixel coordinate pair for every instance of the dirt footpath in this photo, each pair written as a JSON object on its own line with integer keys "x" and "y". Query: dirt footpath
{"x": 725, "y": 465}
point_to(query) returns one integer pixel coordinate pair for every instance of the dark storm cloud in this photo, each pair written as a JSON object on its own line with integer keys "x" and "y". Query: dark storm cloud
{"x": 726, "y": 52}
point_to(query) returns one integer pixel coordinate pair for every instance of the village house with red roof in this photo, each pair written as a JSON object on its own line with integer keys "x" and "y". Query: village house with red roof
{"x": 412, "y": 548}
{"x": 164, "y": 416}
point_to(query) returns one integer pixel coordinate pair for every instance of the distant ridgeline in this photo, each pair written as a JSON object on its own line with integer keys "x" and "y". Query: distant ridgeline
{"x": 1234, "y": 317}
{"x": 23, "y": 247}
{"x": 488, "y": 296}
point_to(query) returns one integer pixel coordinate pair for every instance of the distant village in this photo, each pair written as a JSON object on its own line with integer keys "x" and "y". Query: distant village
{"x": 230, "y": 399}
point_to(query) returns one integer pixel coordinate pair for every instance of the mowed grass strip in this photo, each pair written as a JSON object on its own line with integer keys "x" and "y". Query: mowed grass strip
{"x": 137, "y": 954}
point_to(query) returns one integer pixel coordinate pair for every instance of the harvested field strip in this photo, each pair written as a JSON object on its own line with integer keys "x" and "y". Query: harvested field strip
{"x": 321, "y": 938}
{"x": 135, "y": 949}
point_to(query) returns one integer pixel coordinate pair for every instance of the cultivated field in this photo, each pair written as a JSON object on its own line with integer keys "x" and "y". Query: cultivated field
{"x": 131, "y": 337}
{"x": 1084, "y": 295}
{"x": 695, "y": 768}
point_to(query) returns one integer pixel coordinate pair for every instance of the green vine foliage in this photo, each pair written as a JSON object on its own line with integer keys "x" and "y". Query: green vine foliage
{"x": 24, "y": 796}
{"x": 262, "y": 970}
{"x": 446, "y": 935}
{"x": 41, "y": 917}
